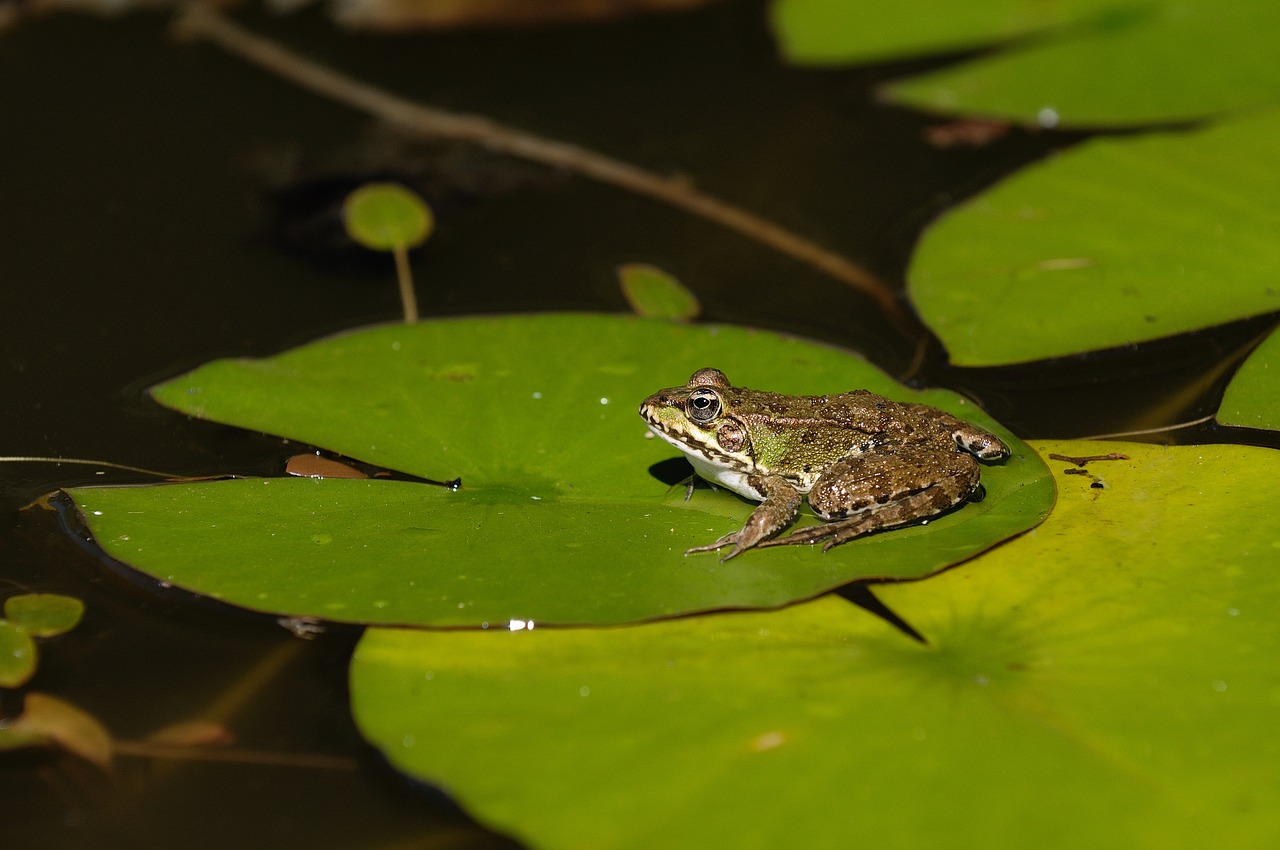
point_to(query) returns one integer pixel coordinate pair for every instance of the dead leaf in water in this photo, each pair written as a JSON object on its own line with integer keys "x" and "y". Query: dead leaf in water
{"x": 450, "y": 14}
{"x": 49, "y": 721}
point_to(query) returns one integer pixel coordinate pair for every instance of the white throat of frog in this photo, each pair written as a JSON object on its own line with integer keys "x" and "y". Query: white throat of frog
{"x": 714, "y": 466}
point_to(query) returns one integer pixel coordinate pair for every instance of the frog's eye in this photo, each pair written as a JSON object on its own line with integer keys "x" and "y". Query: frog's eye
{"x": 704, "y": 405}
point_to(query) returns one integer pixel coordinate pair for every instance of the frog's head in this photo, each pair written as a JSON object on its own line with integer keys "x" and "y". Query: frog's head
{"x": 699, "y": 419}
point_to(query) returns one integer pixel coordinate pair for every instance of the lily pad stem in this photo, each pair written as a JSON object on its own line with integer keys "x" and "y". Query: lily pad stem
{"x": 407, "y": 297}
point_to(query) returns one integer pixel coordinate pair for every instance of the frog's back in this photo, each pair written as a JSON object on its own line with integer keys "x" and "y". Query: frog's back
{"x": 801, "y": 435}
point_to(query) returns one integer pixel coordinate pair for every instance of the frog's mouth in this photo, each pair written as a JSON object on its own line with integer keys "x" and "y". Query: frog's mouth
{"x": 700, "y": 452}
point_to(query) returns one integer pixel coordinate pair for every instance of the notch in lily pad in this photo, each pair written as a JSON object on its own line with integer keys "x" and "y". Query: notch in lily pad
{"x": 390, "y": 217}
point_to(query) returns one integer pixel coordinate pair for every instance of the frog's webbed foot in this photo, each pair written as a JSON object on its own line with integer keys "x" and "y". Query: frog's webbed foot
{"x": 741, "y": 541}
{"x": 730, "y": 539}
{"x": 835, "y": 533}
{"x": 781, "y": 501}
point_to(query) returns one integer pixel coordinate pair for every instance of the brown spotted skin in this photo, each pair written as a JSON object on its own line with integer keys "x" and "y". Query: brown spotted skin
{"x": 866, "y": 462}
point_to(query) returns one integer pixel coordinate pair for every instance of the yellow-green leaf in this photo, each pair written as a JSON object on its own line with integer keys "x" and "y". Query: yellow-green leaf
{"x": 17, "y": 655}
{"x": 44, "y": 614}
{"x": 654, "y": 294}
{"x": 384, "y": 216}
{"x": 1108, "y": 680}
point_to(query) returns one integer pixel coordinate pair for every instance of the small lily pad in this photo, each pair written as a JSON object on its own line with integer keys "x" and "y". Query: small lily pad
{"x": 654, "y": 294}
{"x": 44, "y": 614}
{"x": 386, "y": 216}
{"x": 566, "y": 513}
{"x": 17, "y": 655}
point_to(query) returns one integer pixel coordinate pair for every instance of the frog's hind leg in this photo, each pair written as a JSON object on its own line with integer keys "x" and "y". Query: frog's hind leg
{"x": 910, "y": 509}
{"x": 865, "y": 494}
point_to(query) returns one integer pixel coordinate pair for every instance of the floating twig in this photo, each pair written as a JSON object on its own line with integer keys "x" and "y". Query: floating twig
{"x": 200, "y": 20}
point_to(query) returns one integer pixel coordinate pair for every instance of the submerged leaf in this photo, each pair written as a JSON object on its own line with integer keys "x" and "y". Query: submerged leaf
{"x": 49, "y": 721}
{"x": 1115, "y": 242}
{"x": 1109, "y": 678}
{"x": 566, "y": 511}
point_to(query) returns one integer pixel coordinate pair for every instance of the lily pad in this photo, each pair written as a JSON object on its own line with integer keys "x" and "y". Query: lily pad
{"x": 386, "y": 216}
{"x": 566, "y": 512}
{"x": 1115, "y": 242}
{"x": 1086, "y": 63}
{"x": 655, "y": 294}
{"x": 1129, "y": 67}
{"x": 44, "y": 614}
{"x": 1252, "y": 399}
{"x": 1108, "y": 680}
{"x": 837, "y": 32}
{"x": 17, "y": 655}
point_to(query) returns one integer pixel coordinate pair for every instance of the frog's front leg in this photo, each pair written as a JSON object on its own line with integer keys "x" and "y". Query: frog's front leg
{"x": 778, "y": 507}
{"x": 863, "y": 494}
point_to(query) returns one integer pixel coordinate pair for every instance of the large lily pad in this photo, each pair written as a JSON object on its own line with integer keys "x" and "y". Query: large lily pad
{"x": 558, "y": 518}
{"x": 837, "y": 32}
{"x": 1126, "y": 68}
{"x": 1085, "y": 63}
{"x": 1252, "y": 399}
{"x": 1108, "y": 680}
{"x": 1115, "y": 242}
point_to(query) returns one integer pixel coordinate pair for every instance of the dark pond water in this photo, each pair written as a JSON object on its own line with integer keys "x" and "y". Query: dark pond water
{"x": 164, "y": 204}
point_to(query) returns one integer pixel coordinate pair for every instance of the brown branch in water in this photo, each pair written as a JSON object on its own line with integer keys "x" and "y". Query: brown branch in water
{"x": 1160, "y": 429}
{"x": 80, "y": 461}
{"x": 149, "y": 750}
{"x": 199, "y": 20}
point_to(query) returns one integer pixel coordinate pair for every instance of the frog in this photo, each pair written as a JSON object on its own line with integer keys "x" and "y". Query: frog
{"x": 863, "y": 462}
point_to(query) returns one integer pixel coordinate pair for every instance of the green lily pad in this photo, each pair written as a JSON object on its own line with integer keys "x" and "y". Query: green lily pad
{"x": 558, "y": 519}
{"x": 1115, "y": 242}
{"x": 1108, "y": 680}
{"x": 837, "y": 32}
{"x": 1252, "y": 399}
{"x": 1129, "y": 67}
{"x": 386, "y": 216}
{"x": 654, "y": 294}
{"x": 44, "y": 614}
{"x": 1085, "y": 63}
{"x": 17, "y": 655}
